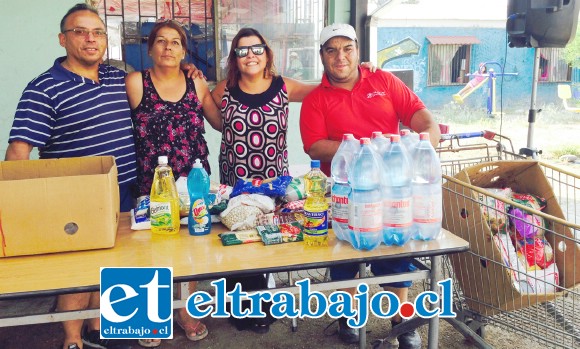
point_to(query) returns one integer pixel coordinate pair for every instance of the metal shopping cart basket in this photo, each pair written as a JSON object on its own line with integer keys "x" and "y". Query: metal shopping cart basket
{"x": 493, "y": 283}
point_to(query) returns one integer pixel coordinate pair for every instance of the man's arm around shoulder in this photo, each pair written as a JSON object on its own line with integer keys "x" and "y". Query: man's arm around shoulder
{"x": 18, "y": 150}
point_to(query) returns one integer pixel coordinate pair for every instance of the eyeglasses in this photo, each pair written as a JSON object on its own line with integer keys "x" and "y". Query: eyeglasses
{"x": 243, "y": 51}
{"x": 83, "y": 32}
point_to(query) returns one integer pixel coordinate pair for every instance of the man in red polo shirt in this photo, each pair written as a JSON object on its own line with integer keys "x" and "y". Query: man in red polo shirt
{"x": 352, "y": 100}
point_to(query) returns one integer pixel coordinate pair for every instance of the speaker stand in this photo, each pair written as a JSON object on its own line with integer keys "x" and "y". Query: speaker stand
{"x": 530, "y": 150}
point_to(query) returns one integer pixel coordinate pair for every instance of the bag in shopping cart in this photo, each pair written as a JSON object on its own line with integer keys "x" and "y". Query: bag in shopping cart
{"x": 488, "y": 285}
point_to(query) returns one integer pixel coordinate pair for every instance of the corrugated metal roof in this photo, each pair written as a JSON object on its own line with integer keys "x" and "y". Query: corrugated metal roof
{"x": 453, "y": 40}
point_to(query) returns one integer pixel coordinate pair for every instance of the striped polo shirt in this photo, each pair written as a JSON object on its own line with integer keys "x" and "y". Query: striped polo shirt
{"x": 66, "y": 115}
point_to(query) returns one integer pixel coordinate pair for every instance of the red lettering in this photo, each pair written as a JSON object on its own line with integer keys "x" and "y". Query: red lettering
{"x": 340, "y": 199}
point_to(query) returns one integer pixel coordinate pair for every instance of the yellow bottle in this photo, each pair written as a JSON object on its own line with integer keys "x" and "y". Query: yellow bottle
{"x": 164, "y": 200}
{"x": 315, "y": 207}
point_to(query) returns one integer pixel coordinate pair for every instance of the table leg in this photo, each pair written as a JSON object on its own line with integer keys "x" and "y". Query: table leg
{"x": 362, "y": 332}
{"x": 436, "y": 275}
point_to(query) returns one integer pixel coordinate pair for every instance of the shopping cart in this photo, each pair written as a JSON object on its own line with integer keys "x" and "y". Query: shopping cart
{"x": 492, "y": 286}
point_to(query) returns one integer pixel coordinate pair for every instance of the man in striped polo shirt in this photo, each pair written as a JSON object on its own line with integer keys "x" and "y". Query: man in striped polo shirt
{"x": 79, "y": 108}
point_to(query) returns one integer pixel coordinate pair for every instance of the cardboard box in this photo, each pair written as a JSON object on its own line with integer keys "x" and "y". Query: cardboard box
{"x": 58, "y": 205}
{"x": 486, "y": 282}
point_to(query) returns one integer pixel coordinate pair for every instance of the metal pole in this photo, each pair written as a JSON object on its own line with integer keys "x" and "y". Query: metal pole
{"x": 530, "y": 151}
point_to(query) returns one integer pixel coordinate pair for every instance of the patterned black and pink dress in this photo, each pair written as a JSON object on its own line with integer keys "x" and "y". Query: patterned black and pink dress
{"x": 167, "y": 128}
{"x": 254, "y": 133}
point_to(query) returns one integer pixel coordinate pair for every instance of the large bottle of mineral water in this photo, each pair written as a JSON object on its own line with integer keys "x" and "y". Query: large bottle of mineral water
{"x": 380, "y": 143}
{"x": 409, "y": 141}
{"x": 427, "y": 193}
{"x": 339, "y": 168}
{"x": 397, "y": 195}
{"x": 365, "y": 216}
{"x": 164, "y": 200}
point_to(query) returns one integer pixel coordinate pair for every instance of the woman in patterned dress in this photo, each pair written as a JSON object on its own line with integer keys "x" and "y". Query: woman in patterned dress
{"x": 254, "y": 104}
{"x": 168, "y": 112}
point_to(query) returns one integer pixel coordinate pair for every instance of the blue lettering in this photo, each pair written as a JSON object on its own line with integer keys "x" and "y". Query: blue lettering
{"x": 196, "y": 299}
{"x": 306, "y": 296}
{"x": 392, "y": 303}
{"x": 340, "y": 305}
{"x": 362, "y": 296}
{"x": 220, "y": 298}
{"x": 447, "y": 297}
{"x": 236, "y": 304}
{"x": 283, "y": 305}
{"x": 421, "y": 310}
{"x": 256, "y": 304}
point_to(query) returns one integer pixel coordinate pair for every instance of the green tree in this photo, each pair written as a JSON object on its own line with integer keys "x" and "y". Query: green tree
{"x": 572, "y": 51}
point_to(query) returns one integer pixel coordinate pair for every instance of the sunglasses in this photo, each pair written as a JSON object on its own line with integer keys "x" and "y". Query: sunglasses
{"x": 243, "y": 51}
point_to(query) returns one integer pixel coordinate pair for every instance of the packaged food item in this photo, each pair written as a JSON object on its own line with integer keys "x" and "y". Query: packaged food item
{"x": 536, "y": 252}
{"x": 277, "y": 218}
{"x": 140, "y": 214}
{"x": 495, "y": 210}
{"x": 276, "y": 234}
{"x": 230, "y": 238}
{"x": 270, "y": 187}
{"x": 527, "y": 225}
{"x": 295, "y": 190}
{"x": 243, "y": 210}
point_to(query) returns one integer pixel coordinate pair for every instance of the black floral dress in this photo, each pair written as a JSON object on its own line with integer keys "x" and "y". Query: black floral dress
{"x": 167, "y": 128}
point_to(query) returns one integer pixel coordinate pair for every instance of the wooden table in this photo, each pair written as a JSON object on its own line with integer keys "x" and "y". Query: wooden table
{"x": 195, "y": 258}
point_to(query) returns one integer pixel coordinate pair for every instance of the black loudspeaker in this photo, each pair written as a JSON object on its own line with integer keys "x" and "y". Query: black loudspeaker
{"x": 541, "y": 23}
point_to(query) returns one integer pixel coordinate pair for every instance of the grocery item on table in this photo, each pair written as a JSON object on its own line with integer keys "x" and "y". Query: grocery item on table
{"x": 315, "y": 207}
{"x": 339, "y": 169}
{"x": 243, "y": 211}
{"x": 140, "y": 214}
{"x": 427, "y": 191}
{"x": 365, "y": 216}
{"x": 272, "y": 187}
{"x": 397, "y": 195}
{"x": 164, "y": 200}
{"x": 199, "y": 219}
{"x": 240, "y": 237}
{"x": 276, "y": 234}
{"x": 295, "y": 190}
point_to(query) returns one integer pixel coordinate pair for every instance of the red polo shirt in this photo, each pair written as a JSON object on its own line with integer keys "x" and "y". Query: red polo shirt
{"x": 378, "y": 102}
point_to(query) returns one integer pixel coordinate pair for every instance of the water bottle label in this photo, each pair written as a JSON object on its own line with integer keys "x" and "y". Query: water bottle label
{"x": 199, "y": 214}
{"x": 340, "y": 208}
{"x": 427, "y": 209}
{"x": 365, "y": 217}
{"x": 160, "y": 213}
{"x": 316, "y": 223}
{"x": 397, "y": 213}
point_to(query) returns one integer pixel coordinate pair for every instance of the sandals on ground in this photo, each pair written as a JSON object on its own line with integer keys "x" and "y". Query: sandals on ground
{"x": 150, "y": 343}
{"x": 194, "y": 331}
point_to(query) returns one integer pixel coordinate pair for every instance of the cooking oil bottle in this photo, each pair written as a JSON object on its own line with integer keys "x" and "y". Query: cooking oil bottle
{"x": 164, "y": 200}
{"x": 315, "y": 207}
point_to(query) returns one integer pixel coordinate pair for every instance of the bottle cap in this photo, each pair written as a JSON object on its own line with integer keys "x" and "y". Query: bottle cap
{"x": 315, "y": 163}
{"x": 405, "y": 132}
{"x": 347, "y": 136}
{"x": 395, "y": 138}
{"x": 197, "y": 164}
{"x": 365, "y": 140}
{"x": 424, "y": 136}
{"x": 162, "y": 160}
{"x": 377, "y": 134}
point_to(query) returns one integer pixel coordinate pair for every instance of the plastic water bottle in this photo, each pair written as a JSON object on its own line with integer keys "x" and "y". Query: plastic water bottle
{"x": 315, "y": 207}
{"x": 339, "y": 168}
{"x": 365, "y": 214}
{"x": 380, "y": 143}
{"x": 199, "y": 219}
{"x": 409, "y": 141}
{"x": 427, "y": 193}
{"x": 164, "y": 201}
{"x": 397, "y": 195}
